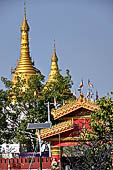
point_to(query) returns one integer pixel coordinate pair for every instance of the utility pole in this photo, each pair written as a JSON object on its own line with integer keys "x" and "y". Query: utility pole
{"x": 8, "y": 159}
{"x": 9, "y": 151}
{"x": 39, "y": 126}
{"x": 40, "y": 149}
{"x": 59, "y": 153}
{"x": 48, "y": 111}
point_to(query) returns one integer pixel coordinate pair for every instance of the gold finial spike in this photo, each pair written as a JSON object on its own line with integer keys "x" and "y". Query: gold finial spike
{"x": 24, "y": 26}
{"x": 24, "y": 10}
{"x": 54, "y": 46}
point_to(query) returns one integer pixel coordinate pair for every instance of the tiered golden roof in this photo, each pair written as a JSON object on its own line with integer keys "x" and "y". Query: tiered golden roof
{"x": 56, "y": 129}
{"x": 54, "y": 66}
{"x": 25, "y": 67}
{"x": 74, "y": 105}
{"x": 68, "y": 124}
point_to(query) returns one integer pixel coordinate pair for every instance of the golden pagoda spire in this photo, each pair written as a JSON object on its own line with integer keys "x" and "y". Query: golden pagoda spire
{"x": 24, "y": 26}
{"x": 54, "y": 65}
{"x": 54, "y": 46}
{"x": 25, "y": 66}
{"x": 24, "y": 9}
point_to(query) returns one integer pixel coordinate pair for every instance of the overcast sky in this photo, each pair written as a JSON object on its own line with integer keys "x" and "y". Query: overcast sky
{"x": 83, "y": 30}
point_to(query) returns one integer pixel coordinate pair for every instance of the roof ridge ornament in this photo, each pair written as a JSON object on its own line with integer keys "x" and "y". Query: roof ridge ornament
{"x": 81, "y": 98}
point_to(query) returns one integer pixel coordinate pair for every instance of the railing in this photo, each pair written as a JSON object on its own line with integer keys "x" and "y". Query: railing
{"x": 23, "y": 163}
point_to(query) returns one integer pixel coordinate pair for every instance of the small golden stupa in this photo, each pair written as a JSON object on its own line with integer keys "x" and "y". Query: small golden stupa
{"x": 25, "y": 67}
{"x": 54, "y": 66}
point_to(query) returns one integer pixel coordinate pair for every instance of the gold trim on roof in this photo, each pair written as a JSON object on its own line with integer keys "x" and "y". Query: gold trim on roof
{"x": 56, "y": 129}
{"x": 74, "y": 105}
{"x": 66, "y": 139}
{"x": 75, "y": 117}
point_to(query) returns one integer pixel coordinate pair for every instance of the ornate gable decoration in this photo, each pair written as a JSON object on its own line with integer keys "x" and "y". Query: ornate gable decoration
{"x": 74, "y": 105}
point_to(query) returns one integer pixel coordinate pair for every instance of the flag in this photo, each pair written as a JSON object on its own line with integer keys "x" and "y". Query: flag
{"x": 96, "y": 95}
{"x": 88, "y": 94}
{"x": 74, "y": 92}
{"x": 81, "y": 84}
{"x": 89, "y": 83}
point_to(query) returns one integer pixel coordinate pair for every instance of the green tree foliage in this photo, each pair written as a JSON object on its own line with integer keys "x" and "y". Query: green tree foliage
{"x": 24, "y": 106}
{"x": 59, "y": 89}
{"x": 28, "y": 105}
{"x": 4, "y": 135}
{"x": 94, "y": 151}
{"x": 102, "y": 120}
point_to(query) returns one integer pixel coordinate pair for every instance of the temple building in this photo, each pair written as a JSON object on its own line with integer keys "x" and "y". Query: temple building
{"x": 72, "y": 116}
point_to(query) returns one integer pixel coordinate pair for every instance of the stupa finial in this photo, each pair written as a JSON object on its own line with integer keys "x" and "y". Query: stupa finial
{"x": 54, "y": 46}
{"x": 24, "y": 26}
{"x": 24, "y": 10}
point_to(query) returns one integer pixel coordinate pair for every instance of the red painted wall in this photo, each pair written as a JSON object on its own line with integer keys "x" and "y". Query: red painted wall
{"x": 78, "y": 127}
{"x": 23, "y": 163}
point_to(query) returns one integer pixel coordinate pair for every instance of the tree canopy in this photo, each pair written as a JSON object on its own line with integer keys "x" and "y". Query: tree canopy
{"x": 94, "y": 150}
{"x": 28, "y": 105}
{"x": 102, "y": 120}
{"x": 59, "y": 89}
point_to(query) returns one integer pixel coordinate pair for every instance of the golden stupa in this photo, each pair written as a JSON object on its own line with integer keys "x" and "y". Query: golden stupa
{"x": 25, "y": 67}
{"x": 54, "y": 66}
